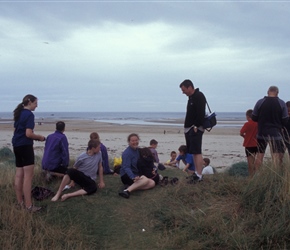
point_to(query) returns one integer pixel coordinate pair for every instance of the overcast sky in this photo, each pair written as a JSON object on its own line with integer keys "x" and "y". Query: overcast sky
{"x": 132, "y": 55}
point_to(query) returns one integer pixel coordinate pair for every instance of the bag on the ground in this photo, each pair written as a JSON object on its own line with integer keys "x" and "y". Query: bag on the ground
{"x": 41, "y": 193}
{"x": 209, "y": 119}
{"x": 117, "y": 164}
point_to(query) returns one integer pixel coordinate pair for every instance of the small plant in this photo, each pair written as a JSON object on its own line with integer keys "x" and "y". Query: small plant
{"x": 239, "y": 169}
{"x": 6, "y": 153}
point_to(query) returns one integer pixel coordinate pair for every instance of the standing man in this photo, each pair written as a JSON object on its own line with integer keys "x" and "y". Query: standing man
{"x": 194, "y": 118}
{"x": 271, "y": 114}
{"x": 56, "y": 155}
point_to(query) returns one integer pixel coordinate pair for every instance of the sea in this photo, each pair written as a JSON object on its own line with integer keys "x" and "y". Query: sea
{"x": 224, "y": 119}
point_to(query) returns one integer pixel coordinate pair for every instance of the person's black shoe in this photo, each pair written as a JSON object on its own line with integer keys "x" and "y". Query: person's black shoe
{"x": 161, "y": 167}
{"x": 174, "y": 181}
{"x": 194, "y": 179}
{"x": 164, "y": 181}
{"x": 125, "y": 194}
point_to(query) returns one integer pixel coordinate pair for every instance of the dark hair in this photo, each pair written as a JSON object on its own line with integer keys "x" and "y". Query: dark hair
{"x": 153, "y": 142}
{"x": 172, "y": 152}
{"x": 274, "y": 89}
{"x": 249, "y": 113}
{"x": 183, "y": 149}
{"x": 207, "y": 161}
{"x": 186, "y": 83}
{"x": 288, "y": 104}
{"x": 93, "y": 143}
{"x": 60, "y": 126}
{"x": 25, "y": 101}
{"x": 145, "y": 152}
{"x": 94, "y": 135}
{"x": 132, "y": 135}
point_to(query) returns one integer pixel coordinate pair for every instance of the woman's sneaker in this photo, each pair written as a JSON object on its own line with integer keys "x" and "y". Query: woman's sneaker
{"x": 125, "y": 194}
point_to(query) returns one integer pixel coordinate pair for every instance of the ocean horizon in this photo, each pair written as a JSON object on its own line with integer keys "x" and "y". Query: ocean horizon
{"x": 133, "y": 118}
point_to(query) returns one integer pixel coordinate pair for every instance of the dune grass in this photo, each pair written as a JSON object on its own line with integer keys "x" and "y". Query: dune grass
{"x": 224, "y": 211}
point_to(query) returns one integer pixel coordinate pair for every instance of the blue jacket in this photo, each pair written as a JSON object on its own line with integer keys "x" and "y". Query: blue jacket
{"x": 129, "y": 162}
{"x": 187, "y": 159}
{"x": 25, "y": 121}
{"x": 55, "y": 152}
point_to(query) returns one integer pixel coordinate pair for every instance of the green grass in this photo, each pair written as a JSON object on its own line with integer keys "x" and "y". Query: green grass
{"x": 222, "y": 212}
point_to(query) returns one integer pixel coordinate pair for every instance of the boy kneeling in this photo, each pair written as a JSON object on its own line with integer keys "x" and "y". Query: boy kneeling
{"x": 84, "y": 173}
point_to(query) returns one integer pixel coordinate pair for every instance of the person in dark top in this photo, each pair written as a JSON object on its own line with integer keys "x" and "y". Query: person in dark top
{"x": 22, "y": 142}
{"x": 193, "y": 124}
{"x": 104, "y": 151}
{"x": 145, "y": 165}
{"x": 56, "y": 154}
{"x": 286, "y": 130}
{"x": 271, "y": 114}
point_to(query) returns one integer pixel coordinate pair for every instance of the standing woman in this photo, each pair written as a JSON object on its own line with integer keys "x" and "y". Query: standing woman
{"x": 22, "y": 142}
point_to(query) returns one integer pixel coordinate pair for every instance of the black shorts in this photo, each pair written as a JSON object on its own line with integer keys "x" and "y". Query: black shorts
{"x": 276, "y": 146}
{"x": 193, "y": 141}
{"x": 24, "y": 156}
{"x": 126, "y": 180}
{"x": 251, "y": 151}
{"x": 85, "y": 182}
{"x": 60, "y": 169}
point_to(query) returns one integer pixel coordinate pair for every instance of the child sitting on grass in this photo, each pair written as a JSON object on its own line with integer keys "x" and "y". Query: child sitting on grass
{"x": 145, "y": 165}
{"x": 84, "y": 173}
{"x": 187, "y": 159}
{"x": 172, "y": 161}
{"x": 207, "y": 168}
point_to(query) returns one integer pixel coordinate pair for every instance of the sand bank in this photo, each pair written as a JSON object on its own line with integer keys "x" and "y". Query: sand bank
{"x": 222, "y": 145}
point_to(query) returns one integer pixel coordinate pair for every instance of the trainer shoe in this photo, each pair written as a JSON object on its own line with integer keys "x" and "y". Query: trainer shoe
{"x": 125, "y": 194}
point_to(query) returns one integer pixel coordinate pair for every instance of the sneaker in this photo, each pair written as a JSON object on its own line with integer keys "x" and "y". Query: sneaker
{"x": 164, "y": 181}
{"x": 66, "y": 187}
{"x": 33, "y": 209}
{"x": 125, "y": 194}
{"x": 174, "y": 181}
{"x": 194, "y": 178}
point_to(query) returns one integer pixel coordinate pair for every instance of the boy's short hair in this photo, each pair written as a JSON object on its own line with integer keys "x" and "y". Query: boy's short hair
{"x": 249, "y": 113}
{"x": 153, "y": 142}
{"x": 94, "y": 135}
{"x": 207, "y": 161}
{"x": 60, "y": 126}
{"x": 93, "y": 143}
{"x": 172, "y": 152}
{"x": 186, "y": 83}
{"x": 274, "y": 89}
{"x": 183, "y": 149}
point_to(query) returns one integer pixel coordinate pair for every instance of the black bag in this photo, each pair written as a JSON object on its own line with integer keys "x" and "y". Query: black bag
{"x": 209, "y": 120}
{"x": 40, "y": 193}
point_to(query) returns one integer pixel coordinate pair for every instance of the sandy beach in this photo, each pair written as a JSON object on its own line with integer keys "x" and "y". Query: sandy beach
{"x": 223, "y": 145}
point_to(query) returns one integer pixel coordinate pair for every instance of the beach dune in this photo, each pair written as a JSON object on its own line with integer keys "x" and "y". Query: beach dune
{"x": 223, "y": 145}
